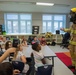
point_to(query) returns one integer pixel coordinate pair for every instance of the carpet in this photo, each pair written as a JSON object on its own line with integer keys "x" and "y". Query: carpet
{"x": 65, "y": 58}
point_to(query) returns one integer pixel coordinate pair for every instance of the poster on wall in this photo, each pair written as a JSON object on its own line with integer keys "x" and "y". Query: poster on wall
{"x": 35, "y": 29}
{"x": 0, "y": 29}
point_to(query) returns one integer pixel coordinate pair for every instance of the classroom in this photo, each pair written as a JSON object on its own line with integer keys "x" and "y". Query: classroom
{"x": 30, "y": 27}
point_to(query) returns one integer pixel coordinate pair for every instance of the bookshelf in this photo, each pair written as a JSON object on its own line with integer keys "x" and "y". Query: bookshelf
{"x": 58, "y": 37}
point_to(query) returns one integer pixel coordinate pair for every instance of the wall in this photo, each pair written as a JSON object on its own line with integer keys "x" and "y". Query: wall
{"x": 36, "y": 20}
{"x": 67, "y": 21}
{"x": 1, "y": 18}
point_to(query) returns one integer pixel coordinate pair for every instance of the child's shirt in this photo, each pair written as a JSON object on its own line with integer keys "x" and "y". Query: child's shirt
{"x": 36, "y": 41}
{"x": 43, "y": 42}
{"x": 18, "y": 58}
{"x": 38, "y": 56}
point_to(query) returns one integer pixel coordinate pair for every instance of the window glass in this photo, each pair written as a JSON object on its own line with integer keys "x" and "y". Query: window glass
{"x": 25, "y": 16}
{"x": 44, "y": 27}
{"x": 49, "y": 26}
{"x": 57, "y": 17}
{"x": 9, "y": 23}
{"x": 23, "y": 26}
{"x": 53, "y": 22}
{"x": 12, "y": 16}
{"x": 55, "y": 26}
{"x": 15, "y": 27}
{"x": 18, "y": 23}
{"x": 28, "y": 26}
{"x": 47, "y": 17}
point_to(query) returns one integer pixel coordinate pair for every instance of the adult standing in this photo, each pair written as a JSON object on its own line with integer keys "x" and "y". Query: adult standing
{"x": 72, "y": 46}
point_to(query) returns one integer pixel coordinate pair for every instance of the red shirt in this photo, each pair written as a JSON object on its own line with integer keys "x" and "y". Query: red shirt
{"x": 43, "y": 42}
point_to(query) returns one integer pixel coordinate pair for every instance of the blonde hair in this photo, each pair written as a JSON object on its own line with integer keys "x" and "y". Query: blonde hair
{"x": 3, "y": 46}
{"x": 16, "y": 52}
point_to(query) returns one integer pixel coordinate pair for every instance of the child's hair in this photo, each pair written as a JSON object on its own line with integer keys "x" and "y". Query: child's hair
{"x": 6, "y": 68}
{"x": 34, "y": 46}
{"x": 7, "y": 44}
{"x": 34, "y": 37}
{"x": 3, "y": 45}
{"x": 16, "y": 52}
{"x": 0, "y": 45}
{"x": 23, "y": 40}
{"x": 43, "y": 37}
{"x": 15, "y": 42}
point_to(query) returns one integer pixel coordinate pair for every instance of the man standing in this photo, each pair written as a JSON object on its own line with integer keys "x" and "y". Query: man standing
{"x": 72, "y": 46}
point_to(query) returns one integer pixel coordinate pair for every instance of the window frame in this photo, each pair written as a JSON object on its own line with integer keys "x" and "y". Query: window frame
{"x": 53, "y": 15}
{"x": 19, "y": 25}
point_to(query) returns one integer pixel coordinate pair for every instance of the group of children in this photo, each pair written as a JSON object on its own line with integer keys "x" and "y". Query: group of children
{"x": 19, "y": 56}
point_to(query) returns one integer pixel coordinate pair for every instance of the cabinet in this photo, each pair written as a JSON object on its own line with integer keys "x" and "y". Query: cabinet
{"x": 58, "y": 38}
{"x": 35, "y": 30}
{"x": 0, "y": 29}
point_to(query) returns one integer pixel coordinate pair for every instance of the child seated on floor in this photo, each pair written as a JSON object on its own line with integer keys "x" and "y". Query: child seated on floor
{"x": 35, "y": 39}
{"x": 53, "y": 42}
{"x": 43, "y": 41}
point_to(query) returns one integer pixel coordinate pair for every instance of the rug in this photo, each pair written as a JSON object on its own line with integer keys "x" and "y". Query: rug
{"x": 65, "y": 58}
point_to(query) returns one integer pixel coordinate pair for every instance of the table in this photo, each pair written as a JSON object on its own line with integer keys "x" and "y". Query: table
{"x": 47, "y": 52}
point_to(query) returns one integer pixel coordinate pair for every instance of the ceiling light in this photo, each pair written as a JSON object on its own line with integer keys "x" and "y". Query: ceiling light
{"x": 46, "y": 4}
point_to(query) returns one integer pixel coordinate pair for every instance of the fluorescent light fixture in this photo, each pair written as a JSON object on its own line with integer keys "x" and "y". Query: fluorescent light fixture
{"x": 46, "y": 4}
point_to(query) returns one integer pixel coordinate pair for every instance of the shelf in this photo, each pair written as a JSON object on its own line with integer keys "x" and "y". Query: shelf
{"x": 57, "y": 37}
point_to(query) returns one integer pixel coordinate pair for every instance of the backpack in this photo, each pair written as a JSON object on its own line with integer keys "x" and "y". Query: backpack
{"x": 44, "y": 70}
{"x": 18, "y": 65}
{"x": 1, "y": 52}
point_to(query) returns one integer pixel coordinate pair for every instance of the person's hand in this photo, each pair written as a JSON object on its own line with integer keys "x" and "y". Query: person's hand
{"x": 15, "y": 72}
{"x": 43, "y": 45}
{"x": 62, "y": 29}
{"x": 11, "y": 50}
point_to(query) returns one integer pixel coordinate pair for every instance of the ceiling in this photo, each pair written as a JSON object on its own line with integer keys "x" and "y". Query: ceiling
{"x": 61, "y": 6}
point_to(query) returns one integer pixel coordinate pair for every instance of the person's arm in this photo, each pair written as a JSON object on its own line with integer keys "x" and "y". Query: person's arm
{"x": 23, "y": 59}
{"x": 43, "y": 61}
{"x": 41, "y": 42}
{"x": 42, "y": 58}
{"x": 66, "y": 29}
{"x": 16, "y": 72}
{"x": 6, "y": 54}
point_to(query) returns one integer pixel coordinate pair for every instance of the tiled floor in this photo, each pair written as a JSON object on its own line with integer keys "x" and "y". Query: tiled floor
{"x": 59, "y": 67}
{"x": 57, "y": 48}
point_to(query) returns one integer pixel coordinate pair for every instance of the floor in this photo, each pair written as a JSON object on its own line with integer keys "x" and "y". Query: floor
{"x": 57, "y": 48}
{"x": 59, "y": 67}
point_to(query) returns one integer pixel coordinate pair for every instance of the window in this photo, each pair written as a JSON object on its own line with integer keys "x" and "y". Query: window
{"x": 18, "y": 23}
{"x": 51, "y": 23}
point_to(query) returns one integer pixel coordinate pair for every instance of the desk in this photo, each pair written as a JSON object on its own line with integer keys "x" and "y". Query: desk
{"x": 59, "y": 67}
{"x": 47, "y": 52}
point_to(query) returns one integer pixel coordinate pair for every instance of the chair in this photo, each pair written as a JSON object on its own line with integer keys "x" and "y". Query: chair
{"x": 65, "y": 41}
{"x": 30, "y": 38}
{"x": 16, "y": 42}
{"x": 18, "y": 65}
{"x": 42, "y": 70}
{"x": 30, "y": 63}
{"x": 1, "y": 52}
{"x": 32, "y": 67}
